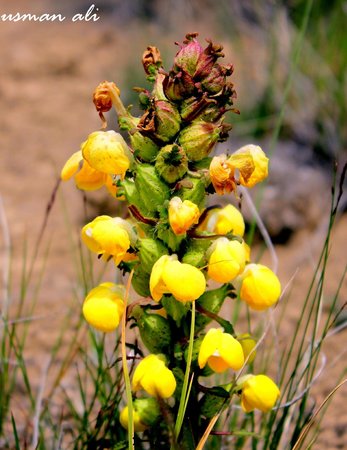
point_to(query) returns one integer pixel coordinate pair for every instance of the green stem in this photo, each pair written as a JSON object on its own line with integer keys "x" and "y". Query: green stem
{"x": 184, "y": 399}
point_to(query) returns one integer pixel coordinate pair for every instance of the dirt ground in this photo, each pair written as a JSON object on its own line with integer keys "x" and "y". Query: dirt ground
{"x": 49, "y": 73}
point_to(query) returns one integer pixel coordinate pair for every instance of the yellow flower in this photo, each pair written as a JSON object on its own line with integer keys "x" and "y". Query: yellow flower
{"x": 258, "y": 392}
{"x": 260, "y": 287}
{"x": 154, "y": 377}
{"x": 222, "y": 175}
{"x": 252, "y": 164}
{"x": 220, "y": 351}
{"x": 146, "y": 412}
{"x": 124, "y": 420}
{"x": 104, "y": 306}
{"x": 108, "y": 236}
{"x": 106, "y": 151}
{"x": 226, "y": 220}
{"x": 169, "y": 276}
{"x": 182, "y": 215}
{"x": 227, "y": 260}
{"x": 247, "y": 344}
{"x": 86, "y": 178}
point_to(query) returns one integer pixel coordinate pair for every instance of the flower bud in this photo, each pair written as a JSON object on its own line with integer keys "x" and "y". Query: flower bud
{"x": 258, "y": 392}
{"x": 193, "y": 107}
{"x": 151, "y": 189}
{"x": 220, "y": 351}
{"x": 151, "y": 60}
{"x": 154, "y": 377}
{"x": 188, "y": 56}
{"x": 248, "y": 344}
{"x": 226, "y": 220}
{"x": 211, "y": 301}
{"x": 104, "y": 306}
{"x": 207, "y": 59}
{"x": 227, "y": 260}
{"x": 214, "y": 82}
{"x": 199, "y": 138}
{"x": 146, "y": 412}
{"x": 161, "y": 122}
{"x": 155, "y": 332}
{"x": 178, "y": 86}
{"x": 150, "y": 250}
{"x": 169, "y": 276}
{"x": 252, "y": 164}
{"x": 171, "y": 163}
{"x": 144, "y": 148}
{"x": 182, "y": 215}
{"x": 260, "y": 287}
{"x": 107, "y": 151}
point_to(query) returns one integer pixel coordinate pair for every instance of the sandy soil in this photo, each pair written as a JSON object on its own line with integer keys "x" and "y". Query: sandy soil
{"x": 45, "y": 97}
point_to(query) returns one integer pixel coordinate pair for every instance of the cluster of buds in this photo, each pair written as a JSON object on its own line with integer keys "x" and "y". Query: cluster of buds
{"x": 175, "y": 247}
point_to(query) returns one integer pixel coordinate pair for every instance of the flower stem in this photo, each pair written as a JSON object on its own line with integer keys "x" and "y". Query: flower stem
{"x": 185, "y": 393}
{"x": 126, "y": 371}
{"x": 117, "y": 103}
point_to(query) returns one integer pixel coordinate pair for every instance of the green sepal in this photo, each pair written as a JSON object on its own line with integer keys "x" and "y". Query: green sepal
{"x": 143, "y": 147}
{"x": 150, "y": 188}
{"x": 148, "y": 409}
{"x": 155, "y": 332}
{"x": 215, "y": 400}
{"x": 131, "y": 194}
{"x": 193, "y": 189}
{"x": 175, "y": 309}
{"x": 195, "y": 253}
{"x": 140, "y": 281}
{"x": 211, "y": 301}
{"x": 165, "y": 233}
{"x": 150, "y": 250}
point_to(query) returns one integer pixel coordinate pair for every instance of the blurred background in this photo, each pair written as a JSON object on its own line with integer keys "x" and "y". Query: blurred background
{"x": 290, "y": 61}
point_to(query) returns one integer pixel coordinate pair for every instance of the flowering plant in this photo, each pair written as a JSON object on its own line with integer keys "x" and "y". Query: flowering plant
{"x": 176, "y": 248}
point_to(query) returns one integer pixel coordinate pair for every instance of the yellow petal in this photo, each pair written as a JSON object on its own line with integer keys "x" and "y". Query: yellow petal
{"x": 89, "y": 179}
{"x": 231, "y": 352}
{"x": 217, "y": 364}
{"x": 103, "y": 307}
{"x": 184, "y": 281}
{"x": 71, "y": 166}
{"x": 154, "y": 377}
{"x": 222, "y": 175}
{"x": 124, "y": 420}
{"x": 252, "y": 164}
{"x": 228, "y": 220}
{"x": 107, "y": 235}
{"x": 227, "y": 260}
{"x": 259, "y": 392}
{"x": 182, "y": 215}
{"x": 106, "y": 151}
{"x": 157, "y": 285}
{"x": 260, "y": 287}
{"x": 209, "y": 345}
